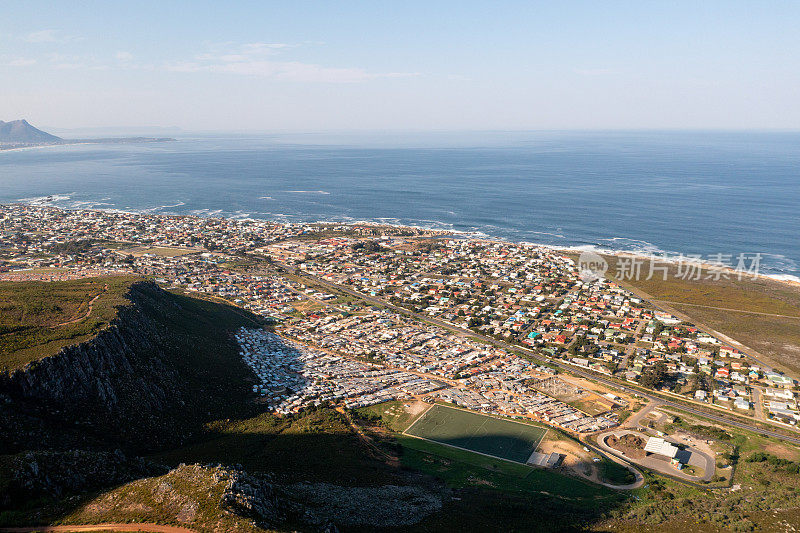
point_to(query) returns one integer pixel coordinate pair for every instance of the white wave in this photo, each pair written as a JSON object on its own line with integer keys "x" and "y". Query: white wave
{"x": 172, "y": 205}
{"x": 282, "y": 218}
{"x": 783, "y": 277}
{"x": 557, "y": 235}
{"x": 780, "y": 262}
{"x": 310, "y": 192}
{"x": 88, "y": 204}
{"x": 766, "y": 270}
{"x": 266, "y": 198}
{"x": 436, "y": 223}
{"x": 160, "y": 207}
{"x": 42, "y": 201}
{"x": 579, "y": 248}
{"x": 635, "y": 245}
{"x": 206, "y": 213}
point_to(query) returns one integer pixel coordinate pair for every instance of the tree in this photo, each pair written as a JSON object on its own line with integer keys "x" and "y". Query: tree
{"x": 653, "y": 377}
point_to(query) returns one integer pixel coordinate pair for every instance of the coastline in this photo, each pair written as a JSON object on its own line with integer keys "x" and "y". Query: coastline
{"x": 703, "y": 265}
{"x": 78, "y": 142}
{"x": 632, "y": 254}
{"x": 788, "y": 279}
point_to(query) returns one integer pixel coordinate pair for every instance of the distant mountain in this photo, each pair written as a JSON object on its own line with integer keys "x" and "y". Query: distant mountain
{"x": 114, "y": 131}
{"x": 19, "y": 131}
{"x": 20, "y": 134}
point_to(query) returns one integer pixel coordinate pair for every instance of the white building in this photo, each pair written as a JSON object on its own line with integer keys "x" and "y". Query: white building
{"x": 660, "y": 446}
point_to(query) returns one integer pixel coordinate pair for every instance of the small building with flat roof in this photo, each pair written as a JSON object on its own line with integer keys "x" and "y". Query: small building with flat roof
{"x": 662, "y": 447}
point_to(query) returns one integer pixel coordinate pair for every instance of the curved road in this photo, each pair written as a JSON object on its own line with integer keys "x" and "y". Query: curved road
{"x": 698, "y": 458}
{"x": 535, "y": 355}
{"x": 639, "y": 478}
{"x": 88, "y": 311}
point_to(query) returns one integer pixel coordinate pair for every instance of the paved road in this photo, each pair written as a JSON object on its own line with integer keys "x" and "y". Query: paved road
{"x": 554, "y": 362}
{"x": 638, "y": 477}
{"x": 697, "y": 458}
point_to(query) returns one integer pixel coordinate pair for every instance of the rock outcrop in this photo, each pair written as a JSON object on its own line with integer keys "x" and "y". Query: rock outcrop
{"x": 31, "y": 475}
{"x": 222, "y": 498}
{"x": 324, "y": 506}
{"x": 129, "y": 387}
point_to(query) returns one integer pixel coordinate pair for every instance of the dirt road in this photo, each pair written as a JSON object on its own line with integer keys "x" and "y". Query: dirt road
{"x": 144, "y": 528}
{"x": 88, "y": 311}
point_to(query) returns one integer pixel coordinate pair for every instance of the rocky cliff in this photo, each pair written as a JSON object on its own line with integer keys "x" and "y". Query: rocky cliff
{"x": 223, "y": 498}
{"x": 324, "y": 506}
{"x": 44, "y": 474}
{"x": 135, "y": 385}
{"x": 88, "y": 419}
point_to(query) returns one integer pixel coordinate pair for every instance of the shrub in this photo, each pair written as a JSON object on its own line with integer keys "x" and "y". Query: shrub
{"x": 786, "y": 465}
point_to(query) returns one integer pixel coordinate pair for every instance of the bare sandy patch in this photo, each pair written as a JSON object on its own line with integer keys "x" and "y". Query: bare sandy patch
{"x": 416, "y": 408}
{"x": 779, "y": 450}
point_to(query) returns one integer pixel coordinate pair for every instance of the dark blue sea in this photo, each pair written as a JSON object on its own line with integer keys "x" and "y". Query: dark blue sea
{"x": 701, "y": 193}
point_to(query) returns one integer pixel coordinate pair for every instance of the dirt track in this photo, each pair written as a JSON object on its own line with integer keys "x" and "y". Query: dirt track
{"x": 88, "y": 311}
{"x": 144, "y": 528}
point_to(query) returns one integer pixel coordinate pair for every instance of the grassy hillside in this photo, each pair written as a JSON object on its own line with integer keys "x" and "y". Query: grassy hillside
{"x": 321, "y": 446}
{"x": 36, "y": 318}
{"x": 172, "y": 366}
{"x": 218, "y": 421}
{"x": 317, "y": 446}
{"x": 764, "y": 495}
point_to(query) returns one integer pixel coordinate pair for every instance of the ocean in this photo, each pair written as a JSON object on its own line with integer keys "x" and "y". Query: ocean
{"x": 692, "y": 193}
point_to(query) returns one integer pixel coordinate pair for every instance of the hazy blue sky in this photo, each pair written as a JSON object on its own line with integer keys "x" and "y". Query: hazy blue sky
{"x": 432, "y": 65}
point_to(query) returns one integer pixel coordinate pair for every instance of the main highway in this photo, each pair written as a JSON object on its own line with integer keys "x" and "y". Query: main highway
{"x": 553, "y": 362}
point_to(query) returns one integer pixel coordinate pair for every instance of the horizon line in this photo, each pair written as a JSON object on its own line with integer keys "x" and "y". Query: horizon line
{"x": 704, "y": 129}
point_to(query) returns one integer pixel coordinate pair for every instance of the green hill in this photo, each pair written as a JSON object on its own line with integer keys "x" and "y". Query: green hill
{"x": 37, "y": 319}
{"x": 100, "y": 408}
{"x": 144, "y": 369}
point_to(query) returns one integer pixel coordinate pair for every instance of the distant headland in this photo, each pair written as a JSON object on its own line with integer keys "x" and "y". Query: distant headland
{"x": 21, "y": 134}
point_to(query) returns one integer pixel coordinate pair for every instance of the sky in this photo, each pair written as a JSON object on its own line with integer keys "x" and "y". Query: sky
{"x": 419, "y": 66}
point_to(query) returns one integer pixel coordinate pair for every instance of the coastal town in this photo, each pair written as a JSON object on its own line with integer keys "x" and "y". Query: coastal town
{"x": 363, "y": 314}
{"x": 407, "y": 267}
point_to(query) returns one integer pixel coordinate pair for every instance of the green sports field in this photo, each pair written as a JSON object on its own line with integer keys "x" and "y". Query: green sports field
{"x": 476, "y": 432}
